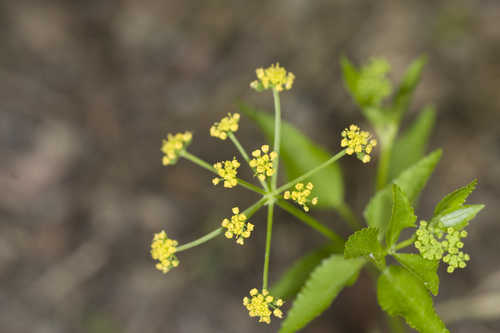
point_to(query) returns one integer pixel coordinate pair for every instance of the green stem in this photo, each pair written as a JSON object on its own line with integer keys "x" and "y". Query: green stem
{"x": 265, "y": 274}
{"x": 348, "y": 215}
{"x": 386, "y": 134}
{"x": 248, "y": 212}
{"x": 383, "y": 166}
{"x": 309, "y": 173}
{"x": 337, "y": 241}
{"x": 210, "y": 168}
{"x": 405, "y": 243}
{"x": 200, "y": 240}
{"x": 245, "y": 157}
{"x": 239, "y": 146}
{"x": 255, "y": 207}
{"x": 277, "y": 136}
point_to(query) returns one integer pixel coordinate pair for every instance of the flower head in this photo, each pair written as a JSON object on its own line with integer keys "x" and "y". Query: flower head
{"x": 230, "y": 123}
{"x": 262, "y": 162}
{"x": 163, "y": 249}
{"x": 432, "y": 246}
{"x": 174, "y": 145}
{"x": 301, "y": 194}
{"x": 274, "y": 77}
{"x": 227, "y": 170}
{"x": 359, "y": 142}
{"x": 237, "y": 227}
{"x": 263, "y": 305}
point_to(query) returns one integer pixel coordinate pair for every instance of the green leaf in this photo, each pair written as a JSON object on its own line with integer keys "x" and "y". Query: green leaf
{"x": 402, "y": 215}
{"x": 299, "y": 155}
{"x": 458, "y": 218}
{"x": 455, "y": 199}
{"x": 295, "y": 277}
{"x": 350, "y": 75}
{"x": 365, "y": 242}
{"x": 405, "y": 90}
{"x": 324, "y": 284}
{"x": 425, "y": 270}
{"x": 411, "y": 146}
{"x": 411, "y": 181}
{"x": 400, "y": 293}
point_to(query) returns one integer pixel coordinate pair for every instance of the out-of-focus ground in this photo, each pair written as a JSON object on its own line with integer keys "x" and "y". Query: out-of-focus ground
{"x": 89, "y": 88}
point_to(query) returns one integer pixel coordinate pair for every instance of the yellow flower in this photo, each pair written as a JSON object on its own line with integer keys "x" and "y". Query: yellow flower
{"x": 226, "y": 125}
{"x": 274, "y": 77}
{"x": 163, "y": 249}
{"x": 262, "y": 162}
{"x": 359, "y": 142}
{"x": 262, "y": 305}
{"x": 174, "y": 145}
{"x": 301, "y": 195}
{"x": 238, "y": 227}
{"x": 227, "y": 170}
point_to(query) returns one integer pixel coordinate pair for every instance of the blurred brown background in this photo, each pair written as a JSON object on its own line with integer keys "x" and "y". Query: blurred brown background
{"x": 89, "y": 88}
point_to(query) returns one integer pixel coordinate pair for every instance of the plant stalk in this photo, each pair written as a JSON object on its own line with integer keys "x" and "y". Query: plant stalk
{"x": 277, "y": 136}
{"x": 265, "y": 274}
{"x": 210, "y": 168}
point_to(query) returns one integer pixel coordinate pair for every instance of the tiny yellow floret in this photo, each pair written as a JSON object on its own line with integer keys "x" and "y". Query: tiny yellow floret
{"x": 229, "y": 124}
{"x": 273, "y": 77}
{"x": 174, "y": 145}
{"x": 300, "y": 195}
{"x": 359, "y": 142}
{"x": 228, "y": 171}
{"x": 262, "y": 305}
{"x": 262, "y": 163}
{"x": 163, "y": 249}
{"x": 238, "y": 227}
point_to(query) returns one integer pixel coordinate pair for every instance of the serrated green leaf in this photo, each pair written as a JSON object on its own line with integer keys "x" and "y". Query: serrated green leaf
{"x": 401, "y": 293}
{"x": 378, "y": 211}
{"x": 406, "y": 88}
{"x": 402, "y": 215}
{"x": 324, "y": 284}
{"x": 299, "y": 155}
{"x": 365, "y": 242}
{"x": 425, "y": 270}
{"x": 294, "y": 278}
{"x": 455, "y": 199}
{"x": 458, "y": 218}
{"x": 411, "y": 145}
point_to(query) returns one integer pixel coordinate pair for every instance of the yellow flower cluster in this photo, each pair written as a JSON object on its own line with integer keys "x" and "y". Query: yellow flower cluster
{"x": 227, "y": 124}
{"x": 274, "y": 77}
{"x": 237, "y": 227}
{"x": 163, "y": 249}
{"x": 261, "y": 304}
{"x": 263, "y": 162}
{"x": 301, "y": 195}
{"x": 359, "y": 142}
{"x": 227, "y": 170}
{"x": 173, "y": 145}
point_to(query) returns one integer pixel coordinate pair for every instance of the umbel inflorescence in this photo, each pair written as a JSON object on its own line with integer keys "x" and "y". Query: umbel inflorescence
{"x": 359, "y": 142}
{"x": 237, "y": 226}
{"x": 263, "y": 163}
{"x": 262, "y": 305}
{"x": 227, "y": 171}
{"x": 174, "y": 145}
{"x": 434, "y": 242}
{"x": 386, "y": 215}
{"x": 163, "y": 249}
